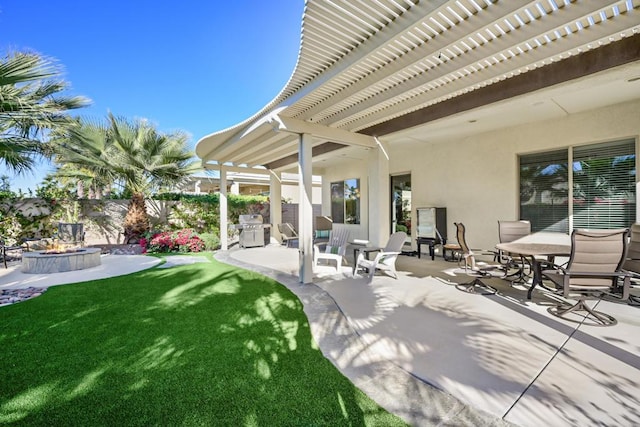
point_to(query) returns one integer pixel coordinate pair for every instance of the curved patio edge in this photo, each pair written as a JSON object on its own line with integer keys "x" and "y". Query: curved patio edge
{"x": 392, "y": 387}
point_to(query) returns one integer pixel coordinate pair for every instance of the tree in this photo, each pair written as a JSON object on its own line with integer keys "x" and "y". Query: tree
{"x": 31, "y": 105}
{"x": 82, "y": 158}
{"x": 132, "y": 155}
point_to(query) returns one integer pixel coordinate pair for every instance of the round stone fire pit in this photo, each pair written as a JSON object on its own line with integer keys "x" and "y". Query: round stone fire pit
{"x": 41, "y": 262}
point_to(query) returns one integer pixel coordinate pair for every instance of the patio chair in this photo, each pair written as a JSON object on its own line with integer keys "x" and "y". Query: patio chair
{"x": 632, "y": 262}
{"x": 385, "y": 259}
{"x": 473, "y": 267}
{"x": 4, "y": 248}
{"x": 593, "y": 271}
{"x": 287, "y": 233}
{"x": 323, "y": 227}
{"x": 334, "y": 249}
{"x": 508, "y": 231}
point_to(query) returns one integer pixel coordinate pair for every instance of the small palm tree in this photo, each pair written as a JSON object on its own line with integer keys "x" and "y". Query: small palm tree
{"x": 30, "y": 107}
{"x": 82, "y": 155}
{"x": 132, "y": 155}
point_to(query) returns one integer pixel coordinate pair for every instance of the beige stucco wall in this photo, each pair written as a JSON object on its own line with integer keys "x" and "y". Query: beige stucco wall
{"x": 292, "y": 193}
{"x": 476, "y": 177}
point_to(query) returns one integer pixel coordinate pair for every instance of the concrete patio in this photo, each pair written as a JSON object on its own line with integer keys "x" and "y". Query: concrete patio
{"x": 436, "y": 355}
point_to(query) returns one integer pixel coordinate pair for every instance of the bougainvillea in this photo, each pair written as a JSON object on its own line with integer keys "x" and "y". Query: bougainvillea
{"x": 185, "y": 240}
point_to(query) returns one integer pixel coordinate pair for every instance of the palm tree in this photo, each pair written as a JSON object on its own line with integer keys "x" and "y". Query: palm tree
{"x": 82, "y": 155}
{"x": 132, "y": 155}
{"x": 30, "y": 107}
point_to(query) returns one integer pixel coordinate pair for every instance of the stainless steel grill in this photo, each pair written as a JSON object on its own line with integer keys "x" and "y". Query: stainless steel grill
{"x": 252, "y": 230}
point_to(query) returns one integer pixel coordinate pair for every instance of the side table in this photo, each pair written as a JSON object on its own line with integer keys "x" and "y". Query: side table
{"x": 431, "y": 242}
{"x": 366, "y": 250}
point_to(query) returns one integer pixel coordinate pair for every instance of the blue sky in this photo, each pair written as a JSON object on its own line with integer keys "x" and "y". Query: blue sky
{"x": 198, "y": 66}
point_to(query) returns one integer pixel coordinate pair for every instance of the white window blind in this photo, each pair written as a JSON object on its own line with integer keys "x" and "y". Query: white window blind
{"x": 544, "y": 185}
{"x": 603, "y": 193}
{"x": 604, "y": 181}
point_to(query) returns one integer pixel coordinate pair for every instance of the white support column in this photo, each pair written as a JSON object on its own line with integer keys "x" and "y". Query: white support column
{"x": 275, "y": 198}
{"x": 379, "y": 196}
{"x": 224, "y": 226}
{"x": 305, "y": 213}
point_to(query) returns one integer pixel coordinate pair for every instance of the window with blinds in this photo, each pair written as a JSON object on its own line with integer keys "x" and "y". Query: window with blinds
{"x": 604, "y": 185}
{"x": 603, "y": 194}
{"x": 544, "y": 184}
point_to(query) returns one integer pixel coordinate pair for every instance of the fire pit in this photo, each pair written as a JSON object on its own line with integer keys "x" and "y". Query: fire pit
{"x": 58, "y": 261}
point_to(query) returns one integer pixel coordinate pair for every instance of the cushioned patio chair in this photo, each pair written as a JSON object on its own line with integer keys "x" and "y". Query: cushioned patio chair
{"x": 323, "y": 227}
{"x": 385, "y": 259}
{"x": 593, "y": 271}
{"x": 334, "y": 249}
{"x": 517, "y": 267}
{"x": 287, "y": 233}
{"x": 476, "y": 268}
{"x": 632, "y": 262}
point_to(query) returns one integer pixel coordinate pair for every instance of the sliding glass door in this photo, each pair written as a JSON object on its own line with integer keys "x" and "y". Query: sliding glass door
{"x": 401, "y": 204}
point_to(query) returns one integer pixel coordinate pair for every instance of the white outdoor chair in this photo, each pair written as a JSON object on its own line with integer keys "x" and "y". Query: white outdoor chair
{"x": 385, "y": 260}
{"x": 334, "y": 249}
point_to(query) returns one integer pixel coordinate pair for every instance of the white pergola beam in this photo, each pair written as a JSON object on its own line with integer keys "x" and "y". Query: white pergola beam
{"x": 258, "y": 146}
{"x": 288, "y": 124}
{"x": 497, "y": 46}
{"x": 239, "y": 140}
{"x": 413, "y": 58}
{"x": 363, "y": 118}
{"x": 239, "y": 169}
{"x": 274, "y": 153}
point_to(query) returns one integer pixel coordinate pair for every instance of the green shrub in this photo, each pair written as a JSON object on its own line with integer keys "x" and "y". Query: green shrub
{"x": 211, "y": 241}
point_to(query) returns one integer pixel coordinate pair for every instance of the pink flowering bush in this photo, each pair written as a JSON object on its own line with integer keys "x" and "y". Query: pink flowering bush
{"x": 185, "y": 240}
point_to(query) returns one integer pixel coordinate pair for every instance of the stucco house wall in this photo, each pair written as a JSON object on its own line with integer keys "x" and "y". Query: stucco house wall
{"x": 476, "y": 177}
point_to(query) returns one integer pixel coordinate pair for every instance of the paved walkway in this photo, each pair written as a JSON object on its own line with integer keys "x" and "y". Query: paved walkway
{"x": 111, "y": 265}
{"x": 438, "y": 356}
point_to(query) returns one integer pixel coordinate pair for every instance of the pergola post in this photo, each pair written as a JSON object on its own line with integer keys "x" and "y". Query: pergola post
{"x": 224, "y": 227}
{"x": 305, "y": 212}
{"x": 275, "y": 199}
{"x": 379, "y": 206}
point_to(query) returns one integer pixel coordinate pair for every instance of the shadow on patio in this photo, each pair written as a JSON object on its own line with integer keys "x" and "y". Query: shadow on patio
{"x": 466, "y": 354}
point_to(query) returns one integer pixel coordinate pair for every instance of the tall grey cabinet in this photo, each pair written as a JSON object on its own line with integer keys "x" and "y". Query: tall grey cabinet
{"x": 431, "y": 228}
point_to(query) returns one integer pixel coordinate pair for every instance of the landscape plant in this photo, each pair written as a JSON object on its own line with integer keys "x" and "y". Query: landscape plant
{"x": 132, "y": 155}
{"x": 185, "y": 240}
{"x": 32, "y": 106}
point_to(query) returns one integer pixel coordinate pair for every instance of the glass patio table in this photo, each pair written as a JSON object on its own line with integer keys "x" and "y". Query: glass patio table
{"x": 537, "y": 245}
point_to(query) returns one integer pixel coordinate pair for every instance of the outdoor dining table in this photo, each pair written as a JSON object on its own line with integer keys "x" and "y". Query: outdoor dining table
{"x": 537, "y": 245}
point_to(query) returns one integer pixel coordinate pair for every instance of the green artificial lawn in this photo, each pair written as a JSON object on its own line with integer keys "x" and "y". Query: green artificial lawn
{"x": 199, "y": 344}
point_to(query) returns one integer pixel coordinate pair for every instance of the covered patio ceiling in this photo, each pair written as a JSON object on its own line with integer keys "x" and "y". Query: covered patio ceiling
{"x": 415, "y": 72}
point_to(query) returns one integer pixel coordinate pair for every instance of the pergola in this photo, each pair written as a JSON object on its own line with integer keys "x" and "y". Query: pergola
{"x": 368, "y": 71}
